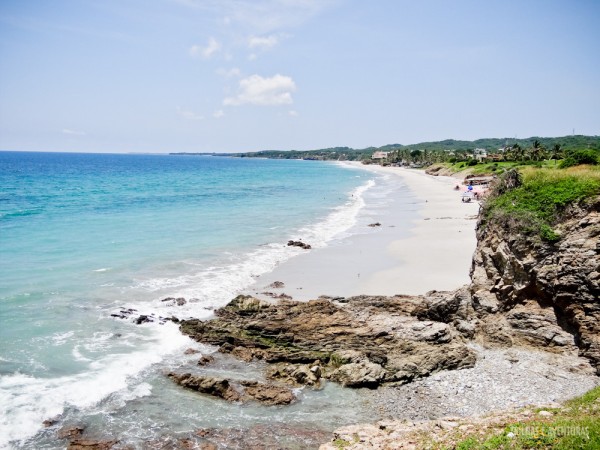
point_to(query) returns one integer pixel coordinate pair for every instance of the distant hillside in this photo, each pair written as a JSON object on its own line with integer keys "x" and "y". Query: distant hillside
{"x": 571, "y": 142}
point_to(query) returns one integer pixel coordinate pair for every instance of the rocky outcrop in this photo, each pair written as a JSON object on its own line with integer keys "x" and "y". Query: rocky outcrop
{"x": 363, "y": 342}
{"x": 139, "y": 319}
{"x": 300, "y": 244}
{"x": 172, "y": 301}
{"x": 216, "y": 387}
{"x": 529, "y": 292}
{"x": 89, "y": 444}
{"x": 240, "y": 391}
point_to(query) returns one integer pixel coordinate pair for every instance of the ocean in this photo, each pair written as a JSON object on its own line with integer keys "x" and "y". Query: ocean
{"x": 83, "y": 236}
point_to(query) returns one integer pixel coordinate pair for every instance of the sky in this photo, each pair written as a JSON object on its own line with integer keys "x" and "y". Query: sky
{"x": 159, "y": 76}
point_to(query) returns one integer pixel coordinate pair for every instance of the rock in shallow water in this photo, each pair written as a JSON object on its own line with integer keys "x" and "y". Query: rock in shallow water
{"x": 232, "y": 391}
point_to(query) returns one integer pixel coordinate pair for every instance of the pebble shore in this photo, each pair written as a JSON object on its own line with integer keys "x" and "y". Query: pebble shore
{"x": 501, "y": 379}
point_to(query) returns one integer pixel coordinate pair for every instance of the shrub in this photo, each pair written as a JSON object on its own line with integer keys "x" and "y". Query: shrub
{"x": 472, "y": 162}
{"x": 536, "y": 205}
{"x": 576, "y": 157}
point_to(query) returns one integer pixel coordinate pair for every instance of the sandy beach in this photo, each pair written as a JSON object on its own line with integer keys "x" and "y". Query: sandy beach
{"x": 425, "y": 241}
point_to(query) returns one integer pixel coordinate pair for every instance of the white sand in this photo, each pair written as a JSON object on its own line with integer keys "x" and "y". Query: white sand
{"x": 426, "y": 242}
{"x": 437, "y": 255}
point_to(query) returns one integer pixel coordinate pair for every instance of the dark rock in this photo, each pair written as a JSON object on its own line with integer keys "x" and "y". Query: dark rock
{"x": 216, "y": 387}
{"x": 50, "y": 422}
{"x": 266, "y": 394}
{"x": 206, "y": 359}
{"x": 277, "y": 285}
{"x": 376, "y": 224}
{"x": 299, "y": 244}
{"x": 191, "y": 351}
{"x": 69, "y": 432}
{"x": 180, "y": 301}
{"x": 143, "y": 319}
{"x": 88, "y": 444}
{"x": 187, "y": 444}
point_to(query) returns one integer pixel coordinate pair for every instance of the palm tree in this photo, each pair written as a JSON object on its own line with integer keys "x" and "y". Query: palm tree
{"x": 517, "y": 152}
{"x": 556, "y": 152}
{"x": 537, "y": 151}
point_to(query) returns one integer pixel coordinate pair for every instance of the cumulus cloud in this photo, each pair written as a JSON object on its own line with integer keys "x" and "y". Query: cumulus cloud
{"x": 218, "y": 114}
{"x": 72, "y": 132}
{"x": 293, "y": 113}
{"x": 189, "y": 115}
{"x": 207, "y": 51}
{"x": 257, "y": 90}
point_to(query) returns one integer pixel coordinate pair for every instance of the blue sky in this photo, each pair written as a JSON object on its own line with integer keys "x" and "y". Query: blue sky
{"x": 246, "y": 75}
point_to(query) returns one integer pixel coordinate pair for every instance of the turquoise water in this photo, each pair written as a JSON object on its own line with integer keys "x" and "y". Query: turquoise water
{"x": 84, "y": 235}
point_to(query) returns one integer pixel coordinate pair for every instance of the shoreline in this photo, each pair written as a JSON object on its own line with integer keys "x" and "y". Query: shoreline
{"x": 425, "y": 241}
{"x": 489, "y": 378}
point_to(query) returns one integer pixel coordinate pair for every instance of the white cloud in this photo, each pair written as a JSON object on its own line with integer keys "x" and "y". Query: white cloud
{"x": 229, "y": 73}
{"x": 189, "y": 115}
{"x": 72, "y": 132}
{"x": 262, "y": 16}
{"x": 218, "y": 114}
{"x": 206, "y": 51}
{"x": 293, "y": 113}
{"x": 263, "y": 42}
{"x": 256, "y": 90}
{"x": 252, "y": 56}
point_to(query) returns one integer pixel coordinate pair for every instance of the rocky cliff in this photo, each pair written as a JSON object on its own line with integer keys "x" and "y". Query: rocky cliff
{"x": 525, "y": 291}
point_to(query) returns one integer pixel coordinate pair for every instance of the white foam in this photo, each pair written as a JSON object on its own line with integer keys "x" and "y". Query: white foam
{"x": 77, "y": 356}
{"x": 214, "y": 286}
{"x": 26, "y": 401}
{"x": 61, "y": 338}
{"x": 102, "y": 269}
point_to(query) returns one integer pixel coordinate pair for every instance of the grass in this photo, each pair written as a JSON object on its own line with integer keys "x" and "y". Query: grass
{"x": 537, "y": 206}
{"x": 496, "y": 168}
{"x": 574, "y": 426}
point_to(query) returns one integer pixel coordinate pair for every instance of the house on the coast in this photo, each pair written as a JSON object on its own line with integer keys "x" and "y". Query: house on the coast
{"x": 379, "y": 155}
{"x": 480, "y": 154}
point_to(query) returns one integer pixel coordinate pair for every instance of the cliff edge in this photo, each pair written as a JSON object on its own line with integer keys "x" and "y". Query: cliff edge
{"x": 527, "y": 291}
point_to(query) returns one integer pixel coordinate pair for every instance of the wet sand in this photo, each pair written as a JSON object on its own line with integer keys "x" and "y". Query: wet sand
{"x": 425, "y": 241}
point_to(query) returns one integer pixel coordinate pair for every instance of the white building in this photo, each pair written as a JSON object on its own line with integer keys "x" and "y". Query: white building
{"x": 480, "y": 154}
{"x": 380, "y": 155}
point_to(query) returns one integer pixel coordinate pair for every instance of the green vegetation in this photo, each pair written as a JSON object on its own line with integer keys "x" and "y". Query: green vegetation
{"x": 574, "y": 426}
{"x": 576, "y": 157}
{"x": 535, "y": 206}
{"x": 450, "y": 150}
{"x": 341, "y": 443}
